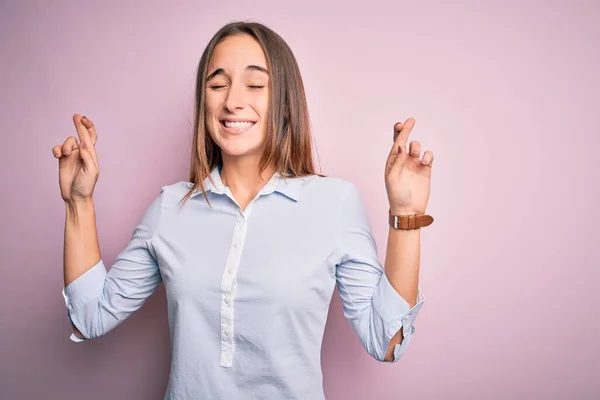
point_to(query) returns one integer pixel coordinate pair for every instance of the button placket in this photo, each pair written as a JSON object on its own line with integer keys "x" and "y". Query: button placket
{"x": 227, "y": 289}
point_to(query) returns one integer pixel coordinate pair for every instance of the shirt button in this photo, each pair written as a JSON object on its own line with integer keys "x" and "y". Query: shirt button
{"x": 227, "y": 300}
{"x": 227, "y": 332}
{"x": 230, "y": 271}
{"x": 235, "y": 245}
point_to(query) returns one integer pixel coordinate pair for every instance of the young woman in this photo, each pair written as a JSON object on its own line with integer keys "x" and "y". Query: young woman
{"x": 251, "y": 248}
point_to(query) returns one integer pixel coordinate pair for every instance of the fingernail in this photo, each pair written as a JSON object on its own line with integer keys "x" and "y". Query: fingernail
{"x": 82, "y": 145}
{"x": 83, "y": 117}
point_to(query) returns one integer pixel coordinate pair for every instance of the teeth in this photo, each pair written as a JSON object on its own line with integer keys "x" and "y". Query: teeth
{"x": 238, "y": 125}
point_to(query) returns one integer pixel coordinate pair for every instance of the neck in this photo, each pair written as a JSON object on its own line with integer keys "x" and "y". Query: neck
{"x": 243, "y": 178}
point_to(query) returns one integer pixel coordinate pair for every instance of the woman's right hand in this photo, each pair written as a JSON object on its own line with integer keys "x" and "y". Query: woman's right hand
{"x": 78, "y": 168}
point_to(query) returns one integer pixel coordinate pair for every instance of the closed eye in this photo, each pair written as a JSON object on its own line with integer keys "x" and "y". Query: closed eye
{"x": 216, "y": 87}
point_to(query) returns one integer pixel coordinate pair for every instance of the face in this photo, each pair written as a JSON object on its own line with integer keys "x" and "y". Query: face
{"x": 237, "y": 96}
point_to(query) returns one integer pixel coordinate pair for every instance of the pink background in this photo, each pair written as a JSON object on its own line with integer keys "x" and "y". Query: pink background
{"x": 506, "y": 95}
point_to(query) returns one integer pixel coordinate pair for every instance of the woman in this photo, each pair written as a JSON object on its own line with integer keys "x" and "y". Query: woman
{"x": 251, "y": 248}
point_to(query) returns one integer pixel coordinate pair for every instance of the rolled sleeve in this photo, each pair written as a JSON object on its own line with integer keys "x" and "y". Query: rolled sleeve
{"x": 376, "y": 311}
{"x": 81, "y": 291}
{"x": 396, "y": 313}
{"x": 85, "y": 288}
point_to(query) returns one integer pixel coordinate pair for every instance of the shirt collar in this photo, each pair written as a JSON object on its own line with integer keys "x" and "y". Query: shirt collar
{"x": 289, "y": 187}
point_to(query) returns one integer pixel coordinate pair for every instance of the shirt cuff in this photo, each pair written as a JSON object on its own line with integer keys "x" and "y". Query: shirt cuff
{"x": 75, "y": 339}
{"x": 393, "y": 309}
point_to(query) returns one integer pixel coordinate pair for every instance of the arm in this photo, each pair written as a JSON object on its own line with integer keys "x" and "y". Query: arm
{"x": 97, "y": 300}
{"x": 376, "y": 311}
{"x": 81, "y": 248}
{"x": 408, "y": 181}
{"x": 402, "y": 269}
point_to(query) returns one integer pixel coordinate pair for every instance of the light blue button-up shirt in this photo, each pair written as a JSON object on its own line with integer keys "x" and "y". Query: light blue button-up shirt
{"x": 248, "y": 292}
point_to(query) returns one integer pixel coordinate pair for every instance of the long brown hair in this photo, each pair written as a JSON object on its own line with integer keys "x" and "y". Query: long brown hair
{"x": 289, "y": 139}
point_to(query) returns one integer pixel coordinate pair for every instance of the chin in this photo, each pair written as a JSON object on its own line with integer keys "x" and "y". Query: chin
{"x": 239, "y": 145}
{"x": 240, "y": 149}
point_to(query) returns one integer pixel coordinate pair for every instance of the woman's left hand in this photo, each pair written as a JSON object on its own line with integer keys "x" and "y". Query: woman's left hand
{"x": 407, "y": 175}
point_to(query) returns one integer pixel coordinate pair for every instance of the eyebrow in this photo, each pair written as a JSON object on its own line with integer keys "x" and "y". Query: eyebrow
{"x": 248, "y": 68}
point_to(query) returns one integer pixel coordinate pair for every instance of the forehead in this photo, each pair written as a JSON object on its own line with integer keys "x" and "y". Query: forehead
{"x": 236, "y": 52}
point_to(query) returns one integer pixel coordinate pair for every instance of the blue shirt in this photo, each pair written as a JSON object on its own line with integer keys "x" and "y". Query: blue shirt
{"x": 248, "y": 292}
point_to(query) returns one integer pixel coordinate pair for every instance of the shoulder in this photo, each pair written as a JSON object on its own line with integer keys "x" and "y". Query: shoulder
{"x": 172, "y": 194}
{"x": 329, "y": 190}
{"x": 329, "y": 185}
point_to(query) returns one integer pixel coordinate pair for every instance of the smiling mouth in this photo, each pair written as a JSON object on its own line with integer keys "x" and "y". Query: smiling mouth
{"x": 237, "y": 126}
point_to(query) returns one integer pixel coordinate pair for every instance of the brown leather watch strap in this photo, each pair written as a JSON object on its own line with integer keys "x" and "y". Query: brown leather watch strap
{"x": 413, "y": 221}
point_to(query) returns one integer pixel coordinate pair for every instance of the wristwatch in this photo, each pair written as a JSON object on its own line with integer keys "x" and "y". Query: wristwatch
{"x": 411, "y": 221}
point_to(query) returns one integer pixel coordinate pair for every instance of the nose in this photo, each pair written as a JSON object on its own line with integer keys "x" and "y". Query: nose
{"x": 235, "y": 98}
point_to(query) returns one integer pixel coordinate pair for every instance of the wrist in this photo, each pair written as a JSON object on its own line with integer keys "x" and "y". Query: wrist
{"x": 79, "y": 205}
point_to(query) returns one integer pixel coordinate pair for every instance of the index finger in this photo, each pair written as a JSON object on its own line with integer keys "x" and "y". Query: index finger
{"x": 402, "y": 131}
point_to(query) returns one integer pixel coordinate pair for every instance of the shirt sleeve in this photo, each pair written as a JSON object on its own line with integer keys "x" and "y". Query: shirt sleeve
{"x": 98, "y": 301}
{"x": 375, "y": 310}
